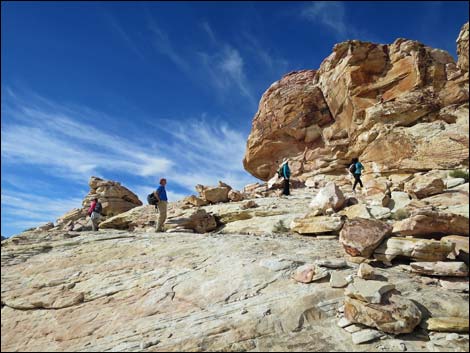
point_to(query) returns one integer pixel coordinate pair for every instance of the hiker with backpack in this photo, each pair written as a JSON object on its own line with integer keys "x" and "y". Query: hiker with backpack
{"x": 161, "y": 204}
{"x": 356, "y": 169}
{"x": 95, "y": 213}
{"x": 284, "y": 172}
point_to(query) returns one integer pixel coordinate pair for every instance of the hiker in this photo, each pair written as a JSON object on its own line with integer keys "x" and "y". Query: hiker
{"x": 356, "y": 169}
{"x": 162, "y": 201}
{"x": 284, "y": 172}
{"x": 95, "y": 213}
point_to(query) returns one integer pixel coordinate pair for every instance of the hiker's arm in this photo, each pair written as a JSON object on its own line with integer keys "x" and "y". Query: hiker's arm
{"x": 156, "y": 196}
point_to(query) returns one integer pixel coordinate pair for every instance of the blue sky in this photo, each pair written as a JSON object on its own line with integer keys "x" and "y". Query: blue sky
{"x": 133, "y": 91}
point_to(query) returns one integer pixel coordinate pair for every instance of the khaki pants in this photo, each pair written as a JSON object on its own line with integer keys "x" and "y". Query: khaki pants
{"x": 162, "y": 206}
{"x": 95, "y": 219}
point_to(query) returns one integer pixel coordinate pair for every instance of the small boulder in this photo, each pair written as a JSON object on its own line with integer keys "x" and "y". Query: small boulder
{"x": 310, "y": 224}
{"x": 397, "y": 315}
{"x": 360, "y": 237}
{"x": 330, "y": 196}
{"x": 440, "y": 268}
{"x": 368, "y": 291}
{"x": 421, "y": 187}
{"x": 365, "y": 271}
{"x": 235, "y": 196}
{"x": 309, "y": 273}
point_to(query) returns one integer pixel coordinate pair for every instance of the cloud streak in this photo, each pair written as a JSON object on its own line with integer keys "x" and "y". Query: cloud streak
{"x": 42, "y": 135}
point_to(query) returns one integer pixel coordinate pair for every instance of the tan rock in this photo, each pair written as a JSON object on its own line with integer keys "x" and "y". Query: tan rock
{"x": 462, "y": 48}
{"x": 337, "y": 280}
{"x": 235, "y": 196}
{"x": 398, "y": 315}
{"x": 459, "y": 269}
{"x": 365, "y": 271}
{"x": 415, "y": 249}
{"x": 368, "y": 291}
{"x": 215, "y": 194}
{"x": 448, "y": 324}
{"x": 421, "y": 187}
{"x": 200, "y": 221}
{"x": 195, "y": 201}
{"x": 316, "y": 224}
{"x": 309, "y": 273}
{"x": 360, "y": 237}
{"x": 330, "y": 196}
{"x": 249, "y": 204}
{"x": 356, "y": 211}
{"x": 291, "y": 114}
{"x": 428, "y": 222}
{"x": 384, "y": 103}
{"x": 461, "y": 250}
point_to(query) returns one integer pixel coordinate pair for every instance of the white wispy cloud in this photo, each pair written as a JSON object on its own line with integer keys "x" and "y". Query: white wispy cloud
{"x": 57, "y": 139}
{"x": 162, "y": 43}
{"x": 332, "y": 15}
{"x": 24, "y": 210}
{"x": 119, "y": 30}
{"x": 329, "y": 13}
{"x": 39, "y": 133}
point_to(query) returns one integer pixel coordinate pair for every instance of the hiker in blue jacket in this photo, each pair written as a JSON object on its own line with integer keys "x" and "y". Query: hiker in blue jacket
{"x": 284, "y": 172}
{"x": 356, "y": 169}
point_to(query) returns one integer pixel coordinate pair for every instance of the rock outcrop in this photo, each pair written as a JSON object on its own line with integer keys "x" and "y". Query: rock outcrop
{"x": 114, "y": 198}
{"x": 401, "y": 108}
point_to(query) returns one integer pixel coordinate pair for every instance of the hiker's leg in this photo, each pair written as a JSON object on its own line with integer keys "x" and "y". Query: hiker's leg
{"x": 360, "y": 182}
{"x": 285, "y": 191}
{"x": 162, "y": 206}
{"x": 288, "y": 186}
{"x": 355, "y": 181}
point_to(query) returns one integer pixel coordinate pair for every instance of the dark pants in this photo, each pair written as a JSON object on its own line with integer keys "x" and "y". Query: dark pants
{"x": 357, "y": 179}
{"x": 286, "y": 190}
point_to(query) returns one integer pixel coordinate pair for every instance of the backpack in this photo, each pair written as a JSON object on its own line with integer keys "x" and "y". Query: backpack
{"x": 98, "y": 208}
{"x": 352, "y": 168}
{"x": 151, "y": 199}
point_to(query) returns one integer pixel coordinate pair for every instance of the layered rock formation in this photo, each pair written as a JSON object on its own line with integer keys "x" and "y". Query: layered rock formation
{"x": 401, "y": 107}
{"x": 114, "y": 198}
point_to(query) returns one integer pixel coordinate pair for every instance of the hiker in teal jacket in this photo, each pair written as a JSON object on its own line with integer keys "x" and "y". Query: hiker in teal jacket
{"x": 356, "y": 169}
{"x": 285, "y": 173}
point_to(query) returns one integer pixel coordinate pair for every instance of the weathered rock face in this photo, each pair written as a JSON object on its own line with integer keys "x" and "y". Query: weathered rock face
{"x": 401, "y": 108}
{"x": 291, "y": 115}
{"x": 399, "y": 315}
{"x": 114, "y": 197}
{"x": 462, "y": 48}
{"x": 360, "y": 236}
{"x": 316, "y": 224}
{"x": 440, "y": 268}
{"x": 415, "y": 249}
{"x": 427, "y": 222}
{"x": 424, "y": 187}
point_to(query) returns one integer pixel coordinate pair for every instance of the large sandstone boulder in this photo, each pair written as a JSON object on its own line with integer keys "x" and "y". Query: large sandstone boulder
{"x": 195, "y": 201}
{"x": 400, "y": 107}
{"x": 421, "y": 187}
{"x": 214, "y": 194}
{"x": 292, "y": 114}
{"x": 360, "y": 236}
{"x": 415, "y": 249}
{"x": 440, "y": 268}
{"x": 399, "y": 315}
{"x": 114, "y": 197}
{"x": 311, "y": 224}
{"x": 330, "y": 196}
{"x": 199, "y": 221}
{"x": 427, "y": 222}
{"x": 462, "y": 48}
